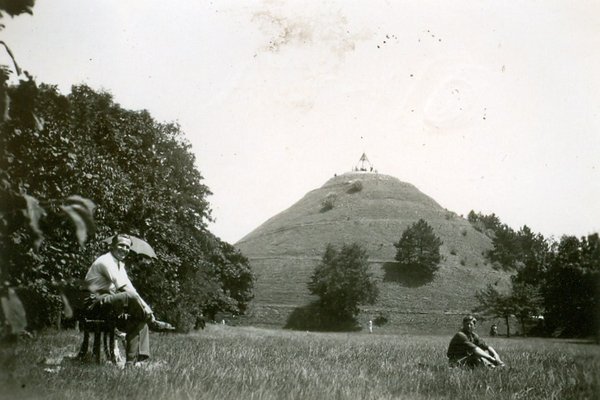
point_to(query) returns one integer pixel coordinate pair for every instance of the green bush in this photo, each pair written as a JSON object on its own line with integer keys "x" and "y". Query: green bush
{"x": 183, "y": 320}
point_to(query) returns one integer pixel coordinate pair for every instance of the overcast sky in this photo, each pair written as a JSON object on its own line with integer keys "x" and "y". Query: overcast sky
{"x": 482, "y": 105}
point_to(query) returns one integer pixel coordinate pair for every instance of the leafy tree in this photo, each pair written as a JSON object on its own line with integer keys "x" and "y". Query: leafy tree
{"x": 526, "y": 302}
{"x": 572, "y": 286}
{"x": 506, "y": 251}
{"x": 136, "y": 174}
{"x": 418, "y": 249}
{"x": 533, "y": 252}
{"x": 512, "y": 250}
{"x": 523, "y": 301}
{"x": 164, "y": 201}
{"x": 235, "y": 276}
{"x": 565, "y": 274}
{"x": 27, "y": 217}
{"x": 518, "y": 251}
{"x": 343, "y": 282}
{"x": 488, "y": 224}
{"x": 141, "y": 175}
{"x": 494, "y": 304}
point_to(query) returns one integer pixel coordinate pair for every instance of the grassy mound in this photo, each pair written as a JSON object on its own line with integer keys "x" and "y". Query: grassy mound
{"x": 373, "y": 210}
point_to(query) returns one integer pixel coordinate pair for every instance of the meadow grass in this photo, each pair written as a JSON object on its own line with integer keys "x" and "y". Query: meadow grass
{"x": 225, "y": 362}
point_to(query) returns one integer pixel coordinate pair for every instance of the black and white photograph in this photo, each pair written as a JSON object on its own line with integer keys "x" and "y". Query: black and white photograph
{"x": 285, "y": 199}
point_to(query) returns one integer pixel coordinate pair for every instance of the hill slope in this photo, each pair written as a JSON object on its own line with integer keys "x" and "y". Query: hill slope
{"x": 373, "y": 210}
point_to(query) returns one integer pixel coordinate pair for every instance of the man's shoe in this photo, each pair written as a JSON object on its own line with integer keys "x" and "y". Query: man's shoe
{"x": 160, "y": 326}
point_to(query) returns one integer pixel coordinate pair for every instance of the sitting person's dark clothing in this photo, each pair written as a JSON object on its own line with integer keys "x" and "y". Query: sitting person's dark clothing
{"x": 468, "y": 349}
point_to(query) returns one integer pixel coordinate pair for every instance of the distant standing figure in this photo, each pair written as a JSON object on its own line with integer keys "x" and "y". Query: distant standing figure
{"x": 370, "y": 326}
{"x": 494, "y": 330}
{"x": 467, "y": 349}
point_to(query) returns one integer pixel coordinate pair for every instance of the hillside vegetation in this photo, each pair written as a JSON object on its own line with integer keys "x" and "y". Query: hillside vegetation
{"x": 373, "y": 210}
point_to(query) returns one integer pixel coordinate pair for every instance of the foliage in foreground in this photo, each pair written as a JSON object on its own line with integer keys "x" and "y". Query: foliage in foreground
{"x": 139, "y": 176}
{"x": 232, "y": 363}
{"x": 24, "y": 216}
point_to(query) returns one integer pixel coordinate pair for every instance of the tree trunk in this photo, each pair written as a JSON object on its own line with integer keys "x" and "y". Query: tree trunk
{"x": 507, "y": 326}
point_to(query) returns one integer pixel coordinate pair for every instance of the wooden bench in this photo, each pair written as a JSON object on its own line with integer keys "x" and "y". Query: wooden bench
{"x": 102, "y": 326}
{"x": 104, "y": 334}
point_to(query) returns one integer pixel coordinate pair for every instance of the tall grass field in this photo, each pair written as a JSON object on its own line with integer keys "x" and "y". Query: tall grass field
{"x": 226, "y": 362}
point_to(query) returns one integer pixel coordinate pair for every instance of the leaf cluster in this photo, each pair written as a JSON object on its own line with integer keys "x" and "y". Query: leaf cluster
{"x": 16, "y": 7}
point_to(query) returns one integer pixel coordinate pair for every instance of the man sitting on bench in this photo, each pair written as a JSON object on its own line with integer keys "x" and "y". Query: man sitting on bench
{"x": 111, "y": 291}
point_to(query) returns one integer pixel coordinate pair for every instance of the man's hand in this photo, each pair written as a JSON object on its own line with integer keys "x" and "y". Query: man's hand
{"x": 97, "y": 301}
{"x": 160, "y": 326}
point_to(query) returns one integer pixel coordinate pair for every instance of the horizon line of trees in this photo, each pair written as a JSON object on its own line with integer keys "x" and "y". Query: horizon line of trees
{"x": 556, "y": 280}
{"x": 554, "y": 286}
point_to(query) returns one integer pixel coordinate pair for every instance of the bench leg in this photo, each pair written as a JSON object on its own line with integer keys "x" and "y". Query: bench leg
{"x": 84, "y": 345}
{"x": 111, "y": 336}
{"x": 106, "y": 340}
{"x": 97, "y": 340}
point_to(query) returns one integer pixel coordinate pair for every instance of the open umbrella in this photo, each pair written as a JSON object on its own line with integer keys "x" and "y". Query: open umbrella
{"x": 139, "y": 246}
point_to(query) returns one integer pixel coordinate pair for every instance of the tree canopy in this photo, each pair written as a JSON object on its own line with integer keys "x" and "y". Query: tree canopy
{"x": 418, "y": 250}
{"x": 343, "y": 282}
{"x": 141, "y": 176}
{"x": 523, "y": 301}
{"x": 559, "y": 280}
{"x": 571, "y": 288}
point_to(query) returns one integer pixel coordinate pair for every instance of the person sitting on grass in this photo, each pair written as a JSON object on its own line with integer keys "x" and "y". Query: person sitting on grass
{"x": 468, "y": 349}
{"x": 111, "y": 292}
{"x": 494, "y": 330}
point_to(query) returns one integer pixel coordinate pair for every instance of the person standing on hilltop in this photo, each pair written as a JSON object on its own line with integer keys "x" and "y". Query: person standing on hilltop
{"x": 468, "y": 349}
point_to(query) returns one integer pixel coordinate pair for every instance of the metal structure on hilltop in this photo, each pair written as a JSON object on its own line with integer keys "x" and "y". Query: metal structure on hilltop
{"x": 364, "y": 165}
